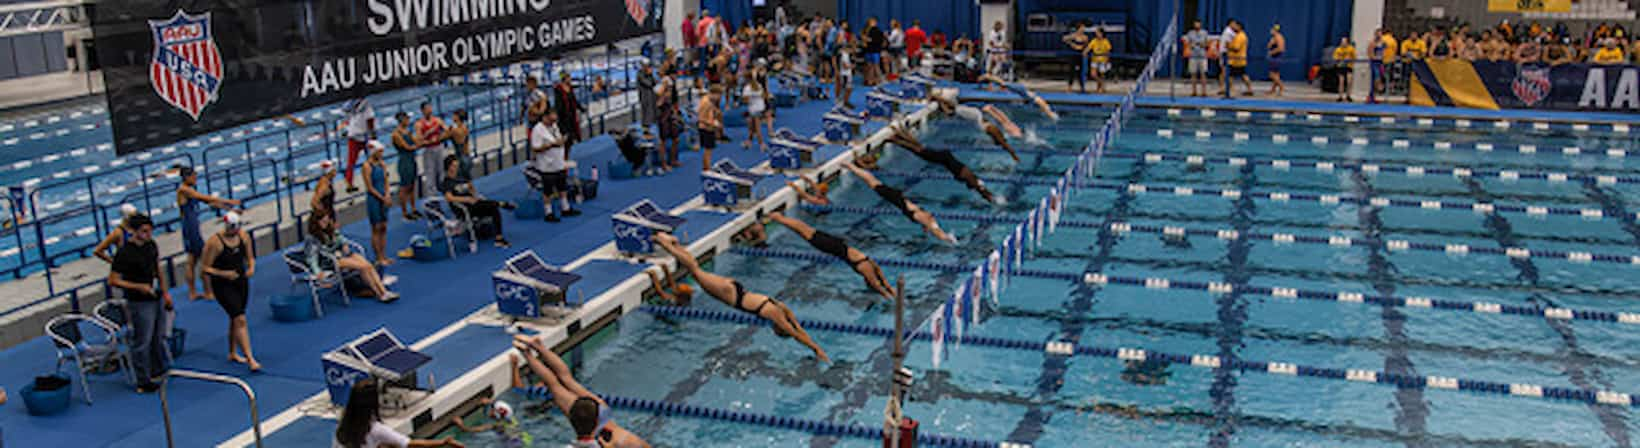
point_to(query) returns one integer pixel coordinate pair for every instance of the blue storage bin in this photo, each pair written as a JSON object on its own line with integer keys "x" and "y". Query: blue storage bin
{"x": 293, "y": 308}
{"x": 47, "y": 402}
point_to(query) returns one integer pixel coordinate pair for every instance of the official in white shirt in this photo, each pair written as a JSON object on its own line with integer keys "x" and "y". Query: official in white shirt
{"x": 548, "y": 170}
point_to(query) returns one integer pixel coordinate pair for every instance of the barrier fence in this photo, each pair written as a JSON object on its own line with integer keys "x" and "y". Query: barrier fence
{"x": 963, "y": 307}
{"x": 63, "y": 219}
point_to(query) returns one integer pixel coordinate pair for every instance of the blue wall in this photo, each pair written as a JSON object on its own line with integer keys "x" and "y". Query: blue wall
{"x": 1310, "y": 27}
{"x": 735, "y": 12}
{"x": 954, "y": 17}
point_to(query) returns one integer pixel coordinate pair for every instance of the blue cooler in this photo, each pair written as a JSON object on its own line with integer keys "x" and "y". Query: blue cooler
{"x": 292, "y": 308}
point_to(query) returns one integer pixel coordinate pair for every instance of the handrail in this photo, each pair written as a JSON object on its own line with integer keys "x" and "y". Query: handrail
{"x": 165, "y": 404}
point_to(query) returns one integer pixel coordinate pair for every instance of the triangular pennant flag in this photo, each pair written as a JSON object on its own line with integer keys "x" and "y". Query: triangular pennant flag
{"x": 958, "y": 301}
{"x": 993, "y": 264}
{"x": 938, "y": 328}
{"x": 974, "y": 295}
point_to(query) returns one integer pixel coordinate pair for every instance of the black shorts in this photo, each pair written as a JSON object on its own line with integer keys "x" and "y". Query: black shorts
{"x": 708, "y": 139}
{"x": 553, "y": 182}
{"x": 1238, "y": 71}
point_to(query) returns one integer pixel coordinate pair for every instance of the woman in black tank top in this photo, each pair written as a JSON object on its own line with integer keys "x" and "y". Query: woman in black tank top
{"x": 229, "y": 264}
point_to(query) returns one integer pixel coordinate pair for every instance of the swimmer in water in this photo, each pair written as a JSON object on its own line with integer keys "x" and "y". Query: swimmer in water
{"x": 897, "y": 198}
{"x": 732, "y": 293}
{"x": 942, "y": 158}
{"x": 815, "y": 194}
{"x": 1023, "y": 93}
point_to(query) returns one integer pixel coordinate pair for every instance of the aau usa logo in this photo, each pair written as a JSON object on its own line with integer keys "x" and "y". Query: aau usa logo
{"x": 187, "y": 68}
{"x": 1531, "y": 86}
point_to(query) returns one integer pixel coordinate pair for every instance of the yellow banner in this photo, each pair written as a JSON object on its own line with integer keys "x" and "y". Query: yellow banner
{"x": 1529, "y": 5}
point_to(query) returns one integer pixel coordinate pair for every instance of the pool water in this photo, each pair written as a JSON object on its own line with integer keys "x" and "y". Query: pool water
{"x": 1002, "y": 394}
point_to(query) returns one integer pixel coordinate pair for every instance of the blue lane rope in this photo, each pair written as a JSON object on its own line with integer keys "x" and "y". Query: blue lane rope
{"x": 1227, "y": 288}
{"x": 1325, "y": 199}
{"x": 1053, "y": 348}
{"x": 1324, "y": 166}
{"x": 1284, "y": 238}
{"x": 1316, "y": 116}
{"x": 1613, "y": 151}
{"x": 816, "y": 427}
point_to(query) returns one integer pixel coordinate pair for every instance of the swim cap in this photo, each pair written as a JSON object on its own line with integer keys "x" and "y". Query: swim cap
{"x": 126, "y": 210}
{"x": 685, "y": 289}
{"x": 501, "y": 410}
{"x": 375, "y": 145}
{"x": 231, "y": 220}
{"x": 822, "y": 188}
{"x": 326, "y": 164}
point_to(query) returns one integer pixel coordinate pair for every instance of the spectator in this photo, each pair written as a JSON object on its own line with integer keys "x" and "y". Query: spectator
{"x": 1560, "y": 52}
{"x": 1236, "y": 59}
{"x": 1275, "y": 50}
{"x": 709, "y": 121}
{"x": 360, "y": 127}
{"x": 229, "y": 265}
{"x": 135, "y": 271}
{"x": 1342, "y": 55}
{"x": 646, "y": 94}
{"x": 328, "y": 251}
{"x": 569, "y": 110}
{"x": 429, "y": 136}
{"x": 670, "y": 122}
{"x": 1609, "y": 53}
{"x": 691, "y": 40}
{"x": 758, "y": 117}
{"x": 1528, "y": 51}
{"x": 361, "y": 427}
{"x": 1414, "y": 47}
{"x": 1382, "y": 54}
{"x": 896, "y": 48}
{"x": 1494, "y": 48}
{"x": 548, "y": 169}
{"x": 1098, "y": 53}
{"x": 1078, "y": 41}
{"x": 874, "y": 42}
{"x": 460, "y": 190}
{"x": 914, "y": 40}
{"x": 188, "y": 200}
{"x": 1195, "y": 48}
{"x": 996, "y": 50}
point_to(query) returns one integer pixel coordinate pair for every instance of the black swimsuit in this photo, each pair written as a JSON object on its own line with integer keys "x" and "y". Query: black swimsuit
{"x": 942, "y": 158}
{"x": 832, "y": 245}
{"x": 894, "y": 197}
{"x": 740, "y": 299}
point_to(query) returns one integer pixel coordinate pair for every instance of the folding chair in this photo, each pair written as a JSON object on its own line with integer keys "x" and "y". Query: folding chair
{"x": 65, "y": 333}
{"x": 318, "y": 278}
{"x": 452, "y": 223}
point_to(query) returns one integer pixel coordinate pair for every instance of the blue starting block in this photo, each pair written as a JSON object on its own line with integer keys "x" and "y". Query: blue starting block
{"x": 788, "y": 151}
{"x": 727, "y": 184}
{"x": 840, "y": 125}
{"x": 378, "y": 354}
{"x": 881, "y": 105}
{"x": 526, "y": 284}
{"x": 635, "y": 227}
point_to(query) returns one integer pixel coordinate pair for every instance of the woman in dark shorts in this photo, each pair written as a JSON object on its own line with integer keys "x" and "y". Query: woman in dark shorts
{"x": 668, "y": 120}
{"x": 229, "y": 267}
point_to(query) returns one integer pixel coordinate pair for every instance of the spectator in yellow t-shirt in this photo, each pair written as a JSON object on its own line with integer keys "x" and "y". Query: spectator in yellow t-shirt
{"x": 1342, "y": 55}
{"x": 1237, "y": 55}
{"x": 1609, "y": 53}
{"x": 1414, "y": 47}
{"x": 1098, "y": 51}
{"x": 1382, "y": 53}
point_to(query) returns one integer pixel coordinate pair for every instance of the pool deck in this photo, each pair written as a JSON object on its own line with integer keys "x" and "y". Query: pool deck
{"x": 436, "y": 294}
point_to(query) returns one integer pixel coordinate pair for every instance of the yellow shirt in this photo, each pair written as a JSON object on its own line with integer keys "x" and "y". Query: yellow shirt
{"x": 1344, "y": 53}
{"x": 1238, "y": 50}
{"x": 1098, "y": 50}
{"x": 1414, "y": 48}
{"x": 1608, "y": 56}
{"x": 1389, "y": 48}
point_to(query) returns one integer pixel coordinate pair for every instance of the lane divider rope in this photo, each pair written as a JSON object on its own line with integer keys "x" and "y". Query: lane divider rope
{"x": 1061, "y": 348}
{"x": 1217, "y": 288}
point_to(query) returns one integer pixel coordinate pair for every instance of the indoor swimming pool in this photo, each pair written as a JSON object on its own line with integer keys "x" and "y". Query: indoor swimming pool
{"x": 1318, "y": 262}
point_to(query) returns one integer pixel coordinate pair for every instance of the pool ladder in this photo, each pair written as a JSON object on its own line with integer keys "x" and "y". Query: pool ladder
{"x": 165, "y": 405}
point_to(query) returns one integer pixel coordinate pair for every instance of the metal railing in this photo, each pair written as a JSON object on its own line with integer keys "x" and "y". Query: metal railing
{"x": 90, "y": 196}
{"x": 165, "y": 402}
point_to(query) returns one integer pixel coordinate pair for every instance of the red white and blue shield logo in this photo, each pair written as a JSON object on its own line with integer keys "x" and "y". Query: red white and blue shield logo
{"x": 1531, "y": 86}
{"x": 187, "y": 68}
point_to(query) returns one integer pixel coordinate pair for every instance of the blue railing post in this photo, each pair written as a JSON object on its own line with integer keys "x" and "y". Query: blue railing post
{"x": 96, "y": 220}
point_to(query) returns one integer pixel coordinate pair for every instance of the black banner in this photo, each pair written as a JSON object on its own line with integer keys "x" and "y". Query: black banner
{"x": 176, "y": 69}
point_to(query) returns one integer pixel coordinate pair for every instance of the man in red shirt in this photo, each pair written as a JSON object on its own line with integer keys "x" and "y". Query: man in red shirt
{"x": 914, "y": 38}
{"x": 938, "y": 40}
{"x": 689, "y": 39}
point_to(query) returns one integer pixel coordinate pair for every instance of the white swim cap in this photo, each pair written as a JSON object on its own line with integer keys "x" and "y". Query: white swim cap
{"x": 127, "y": 210}
{"x": 231, "y": 219}
{"x": 326, "y": 164}
{"x": 375, "y": 145}
{"x": 501, "y": 410}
